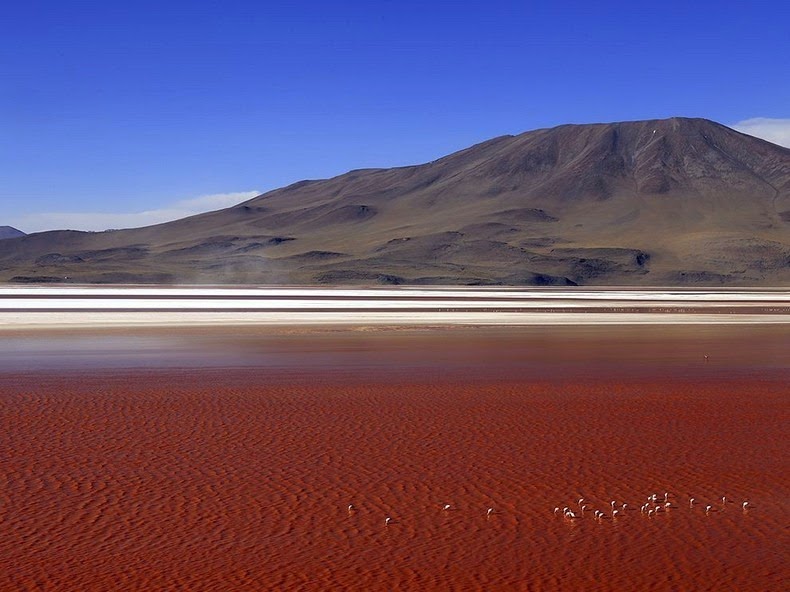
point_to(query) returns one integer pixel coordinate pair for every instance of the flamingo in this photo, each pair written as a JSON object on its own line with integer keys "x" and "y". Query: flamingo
{"x": 556, "y": 511}
{"x": 667, "y": 505}
{"x": 708, "y": 509}
{"x": 387, "y": 521}
{"x": 625, "y": 506}
{"x": 691, "y": 503}
{"x": 724, "y": 500}
{"x": 666, "y": 496}
{"x": 613, "y": 504}
{"x": 446, "y": 507}
{"x": 745, "y": 505}
{"x": 615, "y": 513}
{"x": 351, "y": 507}
{"x": 490, "y": 511}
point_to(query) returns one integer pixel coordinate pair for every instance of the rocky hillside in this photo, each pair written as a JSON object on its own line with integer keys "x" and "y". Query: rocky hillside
{"x": 663, "y": 202}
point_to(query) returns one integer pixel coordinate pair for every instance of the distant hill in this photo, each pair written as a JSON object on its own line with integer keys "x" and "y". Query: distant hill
{"x": 10, "y": 232}
{"x": 662, "y": 202}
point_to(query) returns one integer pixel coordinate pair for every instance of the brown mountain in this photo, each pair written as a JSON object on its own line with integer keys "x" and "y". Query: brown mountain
{"x": 10, "y": 232}
{"x": 663, "y": 202}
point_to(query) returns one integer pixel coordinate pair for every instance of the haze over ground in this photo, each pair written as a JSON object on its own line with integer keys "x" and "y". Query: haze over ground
{"x": 119, "y": 115}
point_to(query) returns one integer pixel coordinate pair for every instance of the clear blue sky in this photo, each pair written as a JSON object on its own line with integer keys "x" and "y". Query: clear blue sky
{"x": 124, "y": 106}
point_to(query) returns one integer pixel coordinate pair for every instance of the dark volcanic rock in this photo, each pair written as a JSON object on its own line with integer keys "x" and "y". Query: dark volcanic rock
{"x": 58, "y": 259}
{"x": 38, "y": 279}
{"x": 345, "y": 276}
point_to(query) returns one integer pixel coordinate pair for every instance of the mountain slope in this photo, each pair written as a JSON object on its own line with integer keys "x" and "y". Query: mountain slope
{"x": 670, "y": 202}
{"x": 10, "y": 232}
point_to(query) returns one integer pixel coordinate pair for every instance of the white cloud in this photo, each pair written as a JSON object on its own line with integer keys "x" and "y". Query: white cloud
{"x": 773, "y": 130}
{"x": 103, "y": 221}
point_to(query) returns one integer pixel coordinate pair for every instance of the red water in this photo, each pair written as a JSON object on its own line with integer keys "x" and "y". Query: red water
{"x": 240, "y": 479}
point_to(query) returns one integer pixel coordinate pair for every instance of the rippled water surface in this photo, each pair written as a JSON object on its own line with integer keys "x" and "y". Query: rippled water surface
{"x": 226, "y": 460}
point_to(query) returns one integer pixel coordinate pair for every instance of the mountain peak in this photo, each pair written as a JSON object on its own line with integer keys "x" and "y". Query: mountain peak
{"x": 10, "y": 232}
{"x": 678, "y": 201}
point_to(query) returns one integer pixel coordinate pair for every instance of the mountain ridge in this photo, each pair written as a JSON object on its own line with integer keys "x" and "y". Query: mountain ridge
{"x": 10, "y": 232}
{"x": 679, "y": 201}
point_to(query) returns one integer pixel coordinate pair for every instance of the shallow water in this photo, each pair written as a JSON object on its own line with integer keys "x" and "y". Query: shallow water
{"x": 488, "y": 351}
{"x": 237, "y": 474}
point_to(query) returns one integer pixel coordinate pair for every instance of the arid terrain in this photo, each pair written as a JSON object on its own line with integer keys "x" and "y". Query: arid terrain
{"x": 428, "y": 437}
{"x": 394, "y": 297}
{"x": 226, "y": 458}
{"x": 675, "y": 202}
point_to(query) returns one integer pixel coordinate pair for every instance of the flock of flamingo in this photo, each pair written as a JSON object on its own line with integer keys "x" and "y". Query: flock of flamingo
{"x": 651, "y": 507}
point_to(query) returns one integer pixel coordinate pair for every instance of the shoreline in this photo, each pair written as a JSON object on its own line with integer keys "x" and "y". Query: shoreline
{"x": 44, "y": 322}
{"x": 39, "y": 308}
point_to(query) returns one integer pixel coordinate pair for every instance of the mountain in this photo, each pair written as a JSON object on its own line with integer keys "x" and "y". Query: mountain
{"x": 663, "y": 202}
{"x": 10, "y": 232}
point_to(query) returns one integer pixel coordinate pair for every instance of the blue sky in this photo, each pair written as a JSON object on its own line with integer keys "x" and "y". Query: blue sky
{"x": 118, "y": 114}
